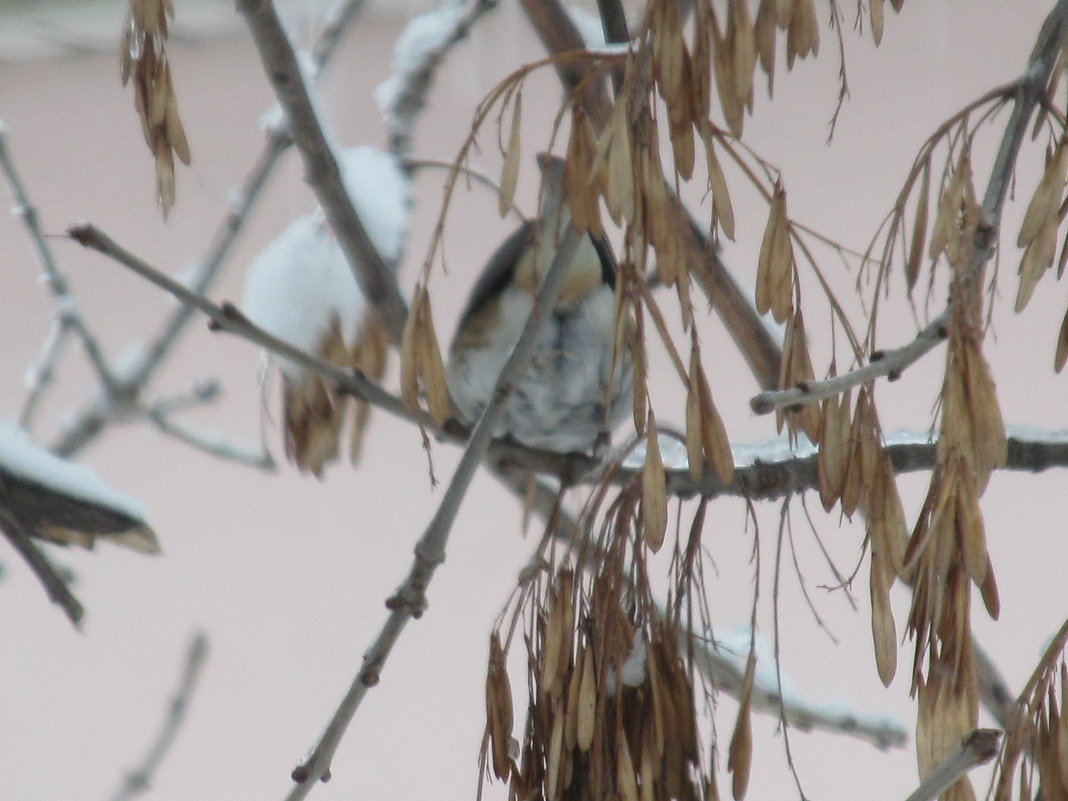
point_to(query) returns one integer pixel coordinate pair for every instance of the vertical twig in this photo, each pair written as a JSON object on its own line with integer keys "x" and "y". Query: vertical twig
{"x": 57, "y": 589}
{"x": 140, "y": 780}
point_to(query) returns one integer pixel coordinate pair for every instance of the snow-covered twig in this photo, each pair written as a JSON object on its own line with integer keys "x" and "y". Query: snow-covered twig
{"x": 57, "y": 589}
{"x": 420, "y": 49}
{"x": 374, "y": 275}
{"x": 94, "y": 417}
{"x": 977, "y": 748}
{"x": 140, "y": 780}
{"x": 67, "y": 313}
{"x": 39, "y": 377}
{"x": 409, "y": 601}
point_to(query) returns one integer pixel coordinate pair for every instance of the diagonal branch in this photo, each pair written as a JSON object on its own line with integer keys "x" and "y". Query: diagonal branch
{"x": 374, "y": 275}
{"x": 409, "y": 601}
{"x": 140, "y": 780}
{"x": 67, "y": 311}
{"x": 57, "y": 589}
{"x": 766, "y": 470}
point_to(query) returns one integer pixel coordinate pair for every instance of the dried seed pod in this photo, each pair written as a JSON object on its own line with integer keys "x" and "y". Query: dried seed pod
{"x": 884, "y": 631}
{"x": 740, "y": 753}
{"x": 510, "y": 168}
{"x": 875, "y": 12}
{"x": 774, "y": 282}
{"x": 654, "y": 489}
{"x": 919, "y": 229}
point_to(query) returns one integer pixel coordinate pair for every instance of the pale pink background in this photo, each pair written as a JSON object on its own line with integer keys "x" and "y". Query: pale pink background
{"x": 288, "y": 575}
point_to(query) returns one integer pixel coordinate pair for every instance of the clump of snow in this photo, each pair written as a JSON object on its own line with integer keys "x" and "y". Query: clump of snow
{"x": 632, "y": 671}
{"x": 298, "y": 283}
{"x": 20, "y": 457}
{"x": 420, "y": 37}
{"x": 381, "y": 193}
{"x": 301, "y": 281}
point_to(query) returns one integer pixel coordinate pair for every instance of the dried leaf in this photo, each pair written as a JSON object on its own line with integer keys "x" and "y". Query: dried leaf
{"x": 587, "y": 704}
{"x": 740, "y": 753}
{"x": 510, "y": 170}
{"x": 1061, "y": 355}
{"x": 721, "y": 198}
{"x": 875, "y": 9}
{"x": 919, "y": 229}
{"x": 654, "y": 490}
{"x": 1047, "y": 197}
{"x": 774, "y": 282}
{"x": 626, "y": 782}
{"x": 884, "y": 632}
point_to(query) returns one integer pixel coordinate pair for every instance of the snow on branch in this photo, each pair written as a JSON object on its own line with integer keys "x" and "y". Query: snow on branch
{"x": 419, "y": 50}
{"x": 322, "y": 171}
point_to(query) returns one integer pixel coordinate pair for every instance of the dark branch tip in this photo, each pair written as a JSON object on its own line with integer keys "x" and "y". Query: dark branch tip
{"x": 877, "y": 356}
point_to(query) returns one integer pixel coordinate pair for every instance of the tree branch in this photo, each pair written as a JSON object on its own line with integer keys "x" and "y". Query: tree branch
{"x": 228, "y": 318}
{"x": 57, "y": 589}
{"x": 409, "y": 601}
{"x": 140, "y": 780}
{"x": 68, "y": 314}
{"x": 373, "y": 274}
{"x": 977, "y": 748}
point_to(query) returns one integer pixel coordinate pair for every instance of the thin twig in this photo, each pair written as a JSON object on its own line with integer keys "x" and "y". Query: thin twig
{"x": 375, "y": 277}
{"x": 140, "y": 780}
{"x": 889, "y": 363}
{"x": 977, "y": 748}
{"x": 57, "y": 589}
{"x": 410, "y": 598}
{"x": 67, "y": 307}
{"x": 43, "y": 371}
{"x": 228, "y": 318}
{"x": 213, "y": 444}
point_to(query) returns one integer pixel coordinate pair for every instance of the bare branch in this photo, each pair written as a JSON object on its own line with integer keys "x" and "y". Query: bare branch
{"x": 54, "y": 584}
{"x": 409, "y": 600}
{"x": 213, "y": 444}
{"x": 977, "y": 748}
{"x": 375, "y": 277}
{"x": 43, "y": 372}
{"x": 67, "y": 312}
{"x": 140, "y": 780}
{"x": 890, "y": 363}
{"x": 228, "y": 318}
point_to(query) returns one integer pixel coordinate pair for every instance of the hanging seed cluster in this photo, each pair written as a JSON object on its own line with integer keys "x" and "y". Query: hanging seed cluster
{"x": 611, "y": 709}
{"x": 314, "y": 410}
{"x": 946, "y": 553}
{"x": 143, "y": 58}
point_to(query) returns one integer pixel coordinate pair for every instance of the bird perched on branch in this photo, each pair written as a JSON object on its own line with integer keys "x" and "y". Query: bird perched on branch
{"x": 578, "y": 387}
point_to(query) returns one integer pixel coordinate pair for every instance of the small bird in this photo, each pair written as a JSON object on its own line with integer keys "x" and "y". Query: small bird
{"x": 577, "y": 389}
